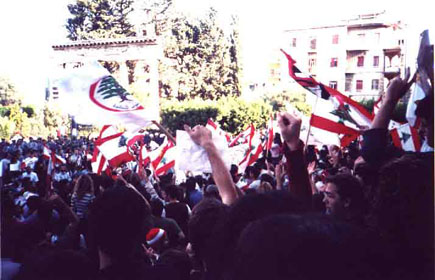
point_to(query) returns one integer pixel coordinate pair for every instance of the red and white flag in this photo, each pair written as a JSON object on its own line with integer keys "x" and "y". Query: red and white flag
{"x": 255, "y": 149}
{"x": 112, "y": 145}
{"x": 213, "y": 126}
{"x": 98, "y": 162}
{"x": 406, "y": 138}
{"x": 93, "y": 96}
{"x": 416, "y": 95}
{"x": 54, "y": 159}
{"x": 161, "y": 159}
{"x": 243, "y": 137}
{"x": 345, "y": 111}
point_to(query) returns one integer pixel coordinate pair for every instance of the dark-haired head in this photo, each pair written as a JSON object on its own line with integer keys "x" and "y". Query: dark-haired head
{"x": 344, "y": 197}
{"x": 117, "y": 221}
{"x": 302, "y": 247}
{"x": 247, "y": 209}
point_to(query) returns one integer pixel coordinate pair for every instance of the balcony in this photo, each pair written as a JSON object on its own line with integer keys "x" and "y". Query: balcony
{"x": 391, "y": 71}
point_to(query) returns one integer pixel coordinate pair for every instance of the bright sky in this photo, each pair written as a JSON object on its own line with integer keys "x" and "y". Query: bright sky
{"x": 29, "y": 28}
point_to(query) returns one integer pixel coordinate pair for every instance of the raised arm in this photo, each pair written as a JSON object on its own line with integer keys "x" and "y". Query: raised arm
{"x": 374, "y": 146}
{"x": 300, "y": 186}
{"x": 395, "y": 91}
{"x": 221, "y": 175}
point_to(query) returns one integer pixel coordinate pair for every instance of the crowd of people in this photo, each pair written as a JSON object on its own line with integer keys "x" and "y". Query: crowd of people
{"x": 300, "y": 212}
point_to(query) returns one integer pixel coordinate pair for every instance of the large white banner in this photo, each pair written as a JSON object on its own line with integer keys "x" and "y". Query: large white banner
{"x": 93, "y": 96}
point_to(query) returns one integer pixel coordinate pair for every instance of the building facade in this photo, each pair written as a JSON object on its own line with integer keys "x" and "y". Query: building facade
{"x": 357, "y": 57}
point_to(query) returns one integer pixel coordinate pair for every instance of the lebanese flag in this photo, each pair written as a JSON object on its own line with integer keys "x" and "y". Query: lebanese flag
{"x": 93, "y": 96}
{"x": 255, "y": 148}
{"x": 213, "y": 126}
{"x": 113, "y": 147}
{"x": 53, "y": 161}
{"x": 98, "y": 162}
{"x": 328, "y": 118}
{"x": 350, "y": 109}
{"x": 158, "y": 154}
{"x": 46, "y": 152}
{"x": 244, "y": 136}
{"x": 406, "y": 138}
{"x": 165, "y": 159}
{"x": 416, "y": 96}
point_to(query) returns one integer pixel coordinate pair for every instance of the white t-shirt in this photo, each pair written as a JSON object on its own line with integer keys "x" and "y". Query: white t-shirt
{"x": 32, "y": 175}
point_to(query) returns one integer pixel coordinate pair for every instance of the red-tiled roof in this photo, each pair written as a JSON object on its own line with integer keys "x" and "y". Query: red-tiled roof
{"x": 106, "y": 42}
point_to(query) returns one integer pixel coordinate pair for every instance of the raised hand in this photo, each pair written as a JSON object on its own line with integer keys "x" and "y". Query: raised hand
{"x": 199, "y": 135}
{"x": 398, "y": 87}
{"x": 290, "y": 126}
{"x": 311, "y": 167}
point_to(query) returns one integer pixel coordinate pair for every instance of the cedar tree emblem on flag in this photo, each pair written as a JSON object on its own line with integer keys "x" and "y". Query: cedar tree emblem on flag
{"x": 110, "y": 95}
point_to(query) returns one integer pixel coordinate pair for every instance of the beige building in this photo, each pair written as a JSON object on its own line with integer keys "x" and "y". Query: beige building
{"x": 357, "y": 56}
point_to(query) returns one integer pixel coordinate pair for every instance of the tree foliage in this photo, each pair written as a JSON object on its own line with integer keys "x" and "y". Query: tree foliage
{"x": 200, "y": 59}
{"x": 295, "y": 98}
{"x": 94, "y": 19}
{"x": 8, "y": 92}
{"x": 232, "y": 114}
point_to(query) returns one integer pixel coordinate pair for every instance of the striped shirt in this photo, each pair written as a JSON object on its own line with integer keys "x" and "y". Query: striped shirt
{"x": 80, "y": 206}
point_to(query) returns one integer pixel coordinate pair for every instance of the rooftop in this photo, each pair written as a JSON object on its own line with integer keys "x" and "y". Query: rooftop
{"x": 106, "y": 42}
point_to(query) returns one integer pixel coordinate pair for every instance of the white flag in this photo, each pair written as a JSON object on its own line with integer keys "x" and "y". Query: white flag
{"x": 93, "y": 96}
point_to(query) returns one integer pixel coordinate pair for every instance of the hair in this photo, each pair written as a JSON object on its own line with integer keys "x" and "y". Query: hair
{"x": 172, "y": 191}
{"x": 117, "y": 221}
{"x": 349, "y": 187}
{"x": 202, "y": 222}
{"x": 178, "y": 260}
{"x": 83, "y": 186}
{"x": 265, "y": 187}
{"x": 212, "y": 191}
{"x": 245, "y": 210}
{"x": 302, "y": 247}
{"x": 425, "y": 108}
{"x": 156, "y": 207}
{"x": 190, "y": 184}
{"x": 56, "y": 264}
{"x": 268, "y": 178}
{"x": 403, "y": 209}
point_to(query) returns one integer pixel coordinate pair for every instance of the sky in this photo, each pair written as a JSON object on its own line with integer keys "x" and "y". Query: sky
{"x": 28, "y": 29}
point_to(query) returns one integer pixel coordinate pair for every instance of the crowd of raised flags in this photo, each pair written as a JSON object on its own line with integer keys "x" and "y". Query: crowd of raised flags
{"x": 93, "y": 96}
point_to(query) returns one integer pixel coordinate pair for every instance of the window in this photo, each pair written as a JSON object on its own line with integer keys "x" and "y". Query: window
{"x": 313, "y": 43}
{"x": 360, "y": 61}
{"x": 333, "y": 84}
{"x": 359, "y": 85}
{"x": 334, "y": 62}
{"x": 294, "y": 42}
{"x": 375, "y": 84}
{"x": 375, "y": 61}
{"x": 335, "y": 39}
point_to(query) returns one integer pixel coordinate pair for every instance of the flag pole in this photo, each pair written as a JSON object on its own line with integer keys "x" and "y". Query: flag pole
{"x": 309, "y": 126}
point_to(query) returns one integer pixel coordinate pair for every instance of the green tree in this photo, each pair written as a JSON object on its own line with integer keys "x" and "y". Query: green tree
{"x": 93, "y": 19}
{"x": 53, "y": 118}
{"x": 297, "y": 99}
{"x": 8, "y": 92}
{"x": 200, "y": 58}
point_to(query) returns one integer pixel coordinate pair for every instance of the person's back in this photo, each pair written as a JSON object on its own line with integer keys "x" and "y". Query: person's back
{"x": 176, "y": 210}
{"x": 179, "y": 212}
{"x": 175, "y": 234}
